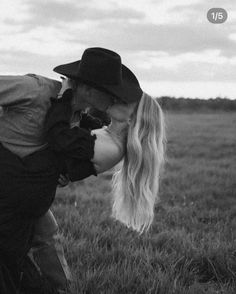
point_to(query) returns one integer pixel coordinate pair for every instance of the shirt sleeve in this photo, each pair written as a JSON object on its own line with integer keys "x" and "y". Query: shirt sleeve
{"x": 25, "y": 90}
{"x": 78, "y": 169}
{"x": 16, "y": 90}
{"x": 76, "y": 145}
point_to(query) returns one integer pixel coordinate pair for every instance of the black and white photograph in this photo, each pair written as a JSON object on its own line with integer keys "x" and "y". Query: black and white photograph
{"x": 117, "y": 147}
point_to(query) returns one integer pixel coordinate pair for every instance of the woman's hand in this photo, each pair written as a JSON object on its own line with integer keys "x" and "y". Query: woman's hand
{"x": 63, "y": 181}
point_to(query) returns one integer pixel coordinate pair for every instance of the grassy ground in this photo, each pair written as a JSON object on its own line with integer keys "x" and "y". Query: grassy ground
{"x": 191, "y": 246}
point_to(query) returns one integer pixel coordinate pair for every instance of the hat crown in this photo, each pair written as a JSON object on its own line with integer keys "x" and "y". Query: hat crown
{"x": 101, "y": 65}
{"x": 102, "y": 69}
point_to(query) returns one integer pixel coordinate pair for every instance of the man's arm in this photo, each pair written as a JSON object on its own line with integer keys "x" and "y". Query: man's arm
{"x": 60, "y": 136}
{"x": 83, "y": 152}
{"x": 25, "y": 101}
{"x": 15, "y": 90}
{"x": 74, "y": 145}
{"x": 23, "y": 89}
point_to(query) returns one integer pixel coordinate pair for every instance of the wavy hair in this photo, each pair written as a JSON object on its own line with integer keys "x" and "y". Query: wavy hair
{"x": 135, "y": 184}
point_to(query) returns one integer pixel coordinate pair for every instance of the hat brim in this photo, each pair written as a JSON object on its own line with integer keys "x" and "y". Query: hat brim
{"x": 129, "y": 90}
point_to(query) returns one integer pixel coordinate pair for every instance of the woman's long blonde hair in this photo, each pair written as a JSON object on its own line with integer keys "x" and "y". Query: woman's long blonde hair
{"x": 135, "y": 185}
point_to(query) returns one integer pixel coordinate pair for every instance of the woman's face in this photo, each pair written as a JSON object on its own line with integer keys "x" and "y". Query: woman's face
{"x": 121, "y": 111}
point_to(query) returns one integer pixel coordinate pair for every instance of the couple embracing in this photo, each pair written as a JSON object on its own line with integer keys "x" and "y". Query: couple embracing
{"x": 47, "y": 138}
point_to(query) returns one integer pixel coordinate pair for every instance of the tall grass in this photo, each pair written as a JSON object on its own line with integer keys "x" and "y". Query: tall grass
{"x": 191, "y": 246}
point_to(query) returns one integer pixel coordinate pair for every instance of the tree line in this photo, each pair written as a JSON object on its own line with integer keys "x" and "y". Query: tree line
{"x": 196, "y": 104}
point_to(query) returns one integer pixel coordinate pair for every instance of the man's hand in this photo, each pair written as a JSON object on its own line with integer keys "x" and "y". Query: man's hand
{"x": 66, "y": 84}
{"x": 63, "y": 181}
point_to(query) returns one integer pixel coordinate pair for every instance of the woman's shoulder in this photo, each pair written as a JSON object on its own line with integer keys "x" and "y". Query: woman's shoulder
{"x": 111, "y": 142}
{"x": 107, "y": 152}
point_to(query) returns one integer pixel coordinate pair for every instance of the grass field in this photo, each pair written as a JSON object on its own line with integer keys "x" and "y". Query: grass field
{"x": 191, "y": 246}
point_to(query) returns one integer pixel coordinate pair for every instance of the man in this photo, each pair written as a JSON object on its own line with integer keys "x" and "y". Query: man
{"x": 25, "y": 101}
{"x": 98, "y": 79}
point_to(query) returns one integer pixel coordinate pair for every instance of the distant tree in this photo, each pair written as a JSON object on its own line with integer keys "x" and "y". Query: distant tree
{"x": 196, "y": 104}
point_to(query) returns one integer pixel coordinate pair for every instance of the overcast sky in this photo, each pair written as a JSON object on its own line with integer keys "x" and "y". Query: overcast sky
{"x": 170, "y": 45}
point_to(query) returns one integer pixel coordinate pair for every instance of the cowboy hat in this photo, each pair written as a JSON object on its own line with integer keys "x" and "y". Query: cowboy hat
{"x": 102, "y": 69}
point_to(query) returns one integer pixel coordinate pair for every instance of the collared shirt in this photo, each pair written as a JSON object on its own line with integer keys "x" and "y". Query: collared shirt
{"x": 25, "y": 101}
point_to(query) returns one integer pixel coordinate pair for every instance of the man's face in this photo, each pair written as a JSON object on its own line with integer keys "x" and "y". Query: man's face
{"x": 98, "y": 99}
{"x": 87, "y": 97}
